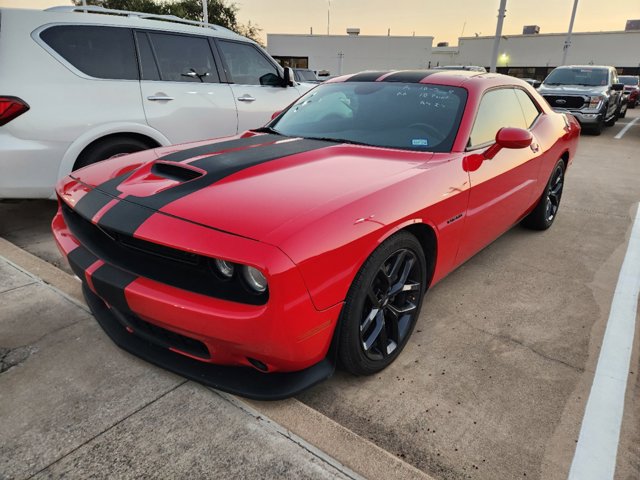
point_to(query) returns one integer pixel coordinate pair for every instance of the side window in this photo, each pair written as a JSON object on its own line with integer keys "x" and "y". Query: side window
{"x": 247, "y": 66}
{"x": 100, "y": 52}
{"x": 498, "y": 108}
{"x": 148, "y": 66}
{"x": 183, "y": 58}
{"x": 529, "y": 108}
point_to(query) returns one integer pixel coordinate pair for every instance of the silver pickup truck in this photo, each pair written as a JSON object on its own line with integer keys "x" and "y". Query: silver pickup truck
{"x": 593, "y": 94}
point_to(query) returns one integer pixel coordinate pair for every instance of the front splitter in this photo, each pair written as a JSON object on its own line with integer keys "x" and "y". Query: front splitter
{"x": 243, "y": 381}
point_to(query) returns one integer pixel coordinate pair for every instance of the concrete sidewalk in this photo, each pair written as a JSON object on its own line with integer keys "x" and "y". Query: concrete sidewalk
{"x": 72, "y": 404}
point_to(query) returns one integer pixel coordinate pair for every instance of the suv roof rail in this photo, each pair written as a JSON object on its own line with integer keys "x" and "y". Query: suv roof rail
{"x": 142, "y": 15}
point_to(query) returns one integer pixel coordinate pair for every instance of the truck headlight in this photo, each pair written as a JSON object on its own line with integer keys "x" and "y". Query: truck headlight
{"x": 594, "y": 102}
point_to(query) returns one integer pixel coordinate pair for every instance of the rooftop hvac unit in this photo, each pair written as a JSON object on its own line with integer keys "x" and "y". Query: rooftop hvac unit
{"x": 530, "y": 30}
{"x": 354, "y": 32}
{"x": 442, "y": 44}
{"x": 632, "y": 25}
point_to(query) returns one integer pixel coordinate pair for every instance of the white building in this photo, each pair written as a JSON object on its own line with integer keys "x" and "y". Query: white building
{"x": 520, "y": 55}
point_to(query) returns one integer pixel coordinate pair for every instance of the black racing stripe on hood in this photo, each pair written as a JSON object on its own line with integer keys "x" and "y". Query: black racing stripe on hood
{"x": 410, "y": 76}
{"x": 214, "y": 147}
{"x": 97, "y": 198}
{"x": 110, "y": 283}
{"x": 128, "y": 214}
{"x": 366, "y": 76}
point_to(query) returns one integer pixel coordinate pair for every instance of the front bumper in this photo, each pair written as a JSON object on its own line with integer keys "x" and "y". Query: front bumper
{"x": 218, "y": 342}
{"x": 582, "y": 117}
{"x": 243, "y": 381}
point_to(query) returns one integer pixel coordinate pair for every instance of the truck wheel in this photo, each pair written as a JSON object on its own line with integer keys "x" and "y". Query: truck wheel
{"x": 597, "y": 128}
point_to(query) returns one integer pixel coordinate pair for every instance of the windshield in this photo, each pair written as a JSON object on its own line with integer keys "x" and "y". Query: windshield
{"x": 578, "y": 76}
{"x": 306, "y": 75}
{"x": 409, "y": 116}
{"x": 628, "y": 80}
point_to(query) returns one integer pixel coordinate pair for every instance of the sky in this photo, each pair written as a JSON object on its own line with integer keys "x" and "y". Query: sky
{"x": 446, "y": 20}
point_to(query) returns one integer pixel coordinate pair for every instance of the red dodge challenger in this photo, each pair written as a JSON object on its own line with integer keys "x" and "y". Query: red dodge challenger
{"x": 254, "y": 264}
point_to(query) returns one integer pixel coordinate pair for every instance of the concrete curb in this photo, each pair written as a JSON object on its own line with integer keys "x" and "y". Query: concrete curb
{"x": 329, "y": 440}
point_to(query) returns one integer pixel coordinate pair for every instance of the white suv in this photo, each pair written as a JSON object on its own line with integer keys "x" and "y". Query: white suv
{"x": 76, "y": 88}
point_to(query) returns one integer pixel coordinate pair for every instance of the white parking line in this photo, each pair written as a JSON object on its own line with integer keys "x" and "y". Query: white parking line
{"x": 626, "y": 128}
{"x": 597, "y": 448}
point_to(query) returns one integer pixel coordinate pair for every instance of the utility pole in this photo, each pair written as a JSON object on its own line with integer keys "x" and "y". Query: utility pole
{"x": 567, "y": 42}
{"x": 205, "y": 11}
{"x": 328, "y": 17}
{"x": 496, "y": 40}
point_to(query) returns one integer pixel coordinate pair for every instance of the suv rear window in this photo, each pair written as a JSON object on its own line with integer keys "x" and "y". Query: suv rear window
{"x": 100, "y": 52}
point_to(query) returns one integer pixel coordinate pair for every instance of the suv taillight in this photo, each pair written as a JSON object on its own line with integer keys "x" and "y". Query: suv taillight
{"x": 10, "y": 108}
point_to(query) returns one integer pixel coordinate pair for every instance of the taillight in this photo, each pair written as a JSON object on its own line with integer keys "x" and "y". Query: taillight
{"x": 10, "y": 108}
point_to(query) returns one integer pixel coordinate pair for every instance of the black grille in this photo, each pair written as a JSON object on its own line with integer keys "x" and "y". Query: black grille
{"x": 167, "y": 265}
{"x": 163, "y": 337}
{"x": 566, "y": 101}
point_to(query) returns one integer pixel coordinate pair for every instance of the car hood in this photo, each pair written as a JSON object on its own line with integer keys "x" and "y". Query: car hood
{"x": 251, "y": 186}
{"x": 571, "y": 90}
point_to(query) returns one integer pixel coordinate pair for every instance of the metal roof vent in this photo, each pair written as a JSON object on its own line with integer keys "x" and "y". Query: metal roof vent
{"x": 353, "y": 32}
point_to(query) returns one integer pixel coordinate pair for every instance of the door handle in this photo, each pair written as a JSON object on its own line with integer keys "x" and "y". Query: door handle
{"x": 158, "y": 98}
{"x": 535, "y": 147}
{"x": 246, "y": 98}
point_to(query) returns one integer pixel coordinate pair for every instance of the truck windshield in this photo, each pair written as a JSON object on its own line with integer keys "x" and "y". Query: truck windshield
{"x": 629, "y": 80}
{"x": 409, "y": 116}
{"x": 591, "y": 77}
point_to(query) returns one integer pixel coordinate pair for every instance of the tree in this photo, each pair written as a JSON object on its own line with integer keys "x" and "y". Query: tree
{"x": 219, "y": 11}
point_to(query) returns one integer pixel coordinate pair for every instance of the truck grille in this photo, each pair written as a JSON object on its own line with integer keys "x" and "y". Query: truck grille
{"x": 565, "y": 101}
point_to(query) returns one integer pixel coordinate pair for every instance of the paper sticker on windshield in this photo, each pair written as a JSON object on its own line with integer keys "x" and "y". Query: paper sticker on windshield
{"x": 420, "y": 142}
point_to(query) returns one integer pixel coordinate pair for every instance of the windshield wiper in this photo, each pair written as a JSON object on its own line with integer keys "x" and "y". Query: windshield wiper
{"x": 266, "y": 130}
{"x": 341, "y": 140}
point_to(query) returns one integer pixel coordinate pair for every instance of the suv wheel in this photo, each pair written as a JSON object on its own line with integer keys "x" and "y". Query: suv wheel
{"x": 109, "y": 148}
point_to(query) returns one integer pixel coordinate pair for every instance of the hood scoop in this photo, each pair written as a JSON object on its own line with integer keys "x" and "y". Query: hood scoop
{"x": 157, "y": 176}
{"x": 175, "y": 171}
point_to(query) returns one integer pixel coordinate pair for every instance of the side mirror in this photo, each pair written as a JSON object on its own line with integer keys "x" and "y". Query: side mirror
{"x": 537, "y": 84}
{"x": 617, "y": 87}
{"x": 288, "y": 77}
{"x": 509, "y": 137}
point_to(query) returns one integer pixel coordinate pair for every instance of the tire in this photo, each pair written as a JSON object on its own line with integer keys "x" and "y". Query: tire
{"x": 633, "y": 104}
{"x": 108, "y": 148}
{"x": 546, "y": 210}
{"x": 382, "y": 306}
{"x": 595, "y": 129}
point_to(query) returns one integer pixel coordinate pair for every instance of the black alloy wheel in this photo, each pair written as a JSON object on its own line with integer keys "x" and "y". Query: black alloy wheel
{"x": 546, "y": 210}
{"x": 554, "y": 193}
{"x": 383, "y": 305}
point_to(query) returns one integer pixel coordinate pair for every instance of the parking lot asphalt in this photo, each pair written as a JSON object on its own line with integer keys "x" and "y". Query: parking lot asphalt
{"x": 492, "y": 385}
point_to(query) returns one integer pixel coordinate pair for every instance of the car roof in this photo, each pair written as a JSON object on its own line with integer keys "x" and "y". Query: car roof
{"x": 449, "y": 77}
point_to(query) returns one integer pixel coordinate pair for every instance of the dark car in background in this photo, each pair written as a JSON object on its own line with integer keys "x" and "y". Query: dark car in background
{"x": 593, "y": 94}
{"x": 632, "y": 86}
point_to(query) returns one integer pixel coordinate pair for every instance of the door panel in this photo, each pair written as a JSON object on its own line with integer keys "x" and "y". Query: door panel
{"x": 503, "y": 188}
{"x": 256, "y": 84}
{"x": 180, "y": 88}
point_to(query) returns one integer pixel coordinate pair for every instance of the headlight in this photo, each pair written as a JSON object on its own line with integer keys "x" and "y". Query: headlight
{"x": 594, "y": 102}
{"x": 224, "y": 268}
{"x": 255, "y": 279}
